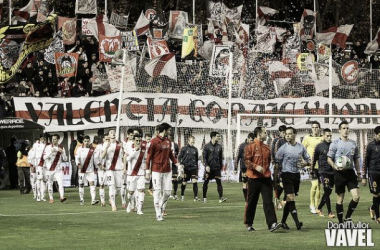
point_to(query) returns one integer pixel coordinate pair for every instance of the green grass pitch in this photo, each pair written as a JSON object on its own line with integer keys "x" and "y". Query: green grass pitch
{"x": 27, "y": 224}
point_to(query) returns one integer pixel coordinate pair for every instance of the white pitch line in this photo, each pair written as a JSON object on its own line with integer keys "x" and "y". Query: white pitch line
{"x": 79, "y": 213}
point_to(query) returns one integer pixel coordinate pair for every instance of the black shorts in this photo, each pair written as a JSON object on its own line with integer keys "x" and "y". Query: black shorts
{"x": 291, "y": 182}
{"x": 174, "y": 170}
{"x": 373, "y": 183}
{"x": 327, "y": 180}
{"x": 214, "y": 174}
{"x": 345, "y": 178}
{"x": 190, "y": 174}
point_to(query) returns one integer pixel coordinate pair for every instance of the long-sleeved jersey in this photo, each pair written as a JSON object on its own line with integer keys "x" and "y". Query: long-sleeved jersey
{"x": 53, "y": 158}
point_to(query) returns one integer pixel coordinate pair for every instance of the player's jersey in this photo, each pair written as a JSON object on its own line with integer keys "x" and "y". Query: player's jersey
{"x": 289, "y": 156}
{"x": 81, "y": 156}
{"x": 132, "y": 159}
{"x": 98, "y": 161}
{"x": 347, "y": 148}
{"x": 37, "y": 152}
{"x": 110, "y": 155}
{"x": 52, "y": 159}
{"x": 310, "y": 143}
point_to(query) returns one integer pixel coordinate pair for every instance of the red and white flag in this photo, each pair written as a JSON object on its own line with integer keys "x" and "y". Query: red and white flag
{"x": 157, "y": 47}
{"x": 142, "y": 25}
{"x": 307, "y": 24}
{"x": 162, "y": 65}
{"x": 263, "y": 14}
{"x": 23, "y": 14}
{"x": 335, "y": 35}
{"x": 373, "y": 46}
{"x": 108, "y": 47}
{"x": 99, "y": 26}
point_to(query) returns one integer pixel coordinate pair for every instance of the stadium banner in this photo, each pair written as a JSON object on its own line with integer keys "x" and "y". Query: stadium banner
{"x": 86, "y": 7}
{"x": 38, "y": 37}
{"x": 108, "y": 46}
{"x": 129, "y": 40}
{"x": 69, "y": 27}
{"x": 66, "y": 64}
{"x": 150, "y": 109}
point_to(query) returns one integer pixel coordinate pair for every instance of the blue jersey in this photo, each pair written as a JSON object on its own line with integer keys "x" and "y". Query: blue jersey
{"x": 289, "y": 156}
{"x": 347, "y": 148}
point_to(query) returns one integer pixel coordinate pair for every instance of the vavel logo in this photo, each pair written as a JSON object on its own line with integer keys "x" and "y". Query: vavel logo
{"x": 348, "y": 234}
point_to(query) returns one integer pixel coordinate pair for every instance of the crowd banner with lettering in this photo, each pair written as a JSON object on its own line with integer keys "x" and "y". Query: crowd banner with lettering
{"x": 66, "y": 64}
{"x": 38, "y": 37}
{"x": 150, "y": 109}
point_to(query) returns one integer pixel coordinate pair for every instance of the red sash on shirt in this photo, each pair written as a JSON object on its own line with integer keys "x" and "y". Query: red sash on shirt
{"x": 87, "y": 161}
{"x": 56, "y": 159}
{"x": 115, "y": 156}
{"x": 41, "y": 163}
{"x": 140, "y": 159}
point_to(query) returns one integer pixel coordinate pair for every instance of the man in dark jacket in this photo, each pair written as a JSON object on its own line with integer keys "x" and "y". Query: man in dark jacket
{"x": 243, "y": 168}
{"x": 188, "y": 158}
{"x": 371, "y": 168}
{"x": 213, "y": 162}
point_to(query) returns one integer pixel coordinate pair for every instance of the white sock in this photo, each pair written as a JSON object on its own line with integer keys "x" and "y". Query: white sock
{"x": 50, "y": 190}
{"x": 156, "y": 200}
{"x": 101, "y": 194}
{"x": 111, "y": 192}
{"x": 81, "y": 193}
{"x": 33, "y": 184}
{"x": 61, "y": 190}
{"x": 93, "y": 193}
{"x": 140, "y": 202}
{"x": 43, "y": 189}
{"x": 38, "y": 187}
{"x": 164, "y": 200}
{"x": 122, "y": 193}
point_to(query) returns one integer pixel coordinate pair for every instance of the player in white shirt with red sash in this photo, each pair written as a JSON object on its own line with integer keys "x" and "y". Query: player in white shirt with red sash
{"x": 115, "y": 169}
{"x": 100, "y": 164}
{"x": 127, "y": 145}
{"x": 85, "y": 161}
{"x": 54, "y": 155}
{"x": 136, "y": 173}
{"x": 36, "y": 158}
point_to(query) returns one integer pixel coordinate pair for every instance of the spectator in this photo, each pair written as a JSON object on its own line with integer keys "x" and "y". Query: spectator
{"x": 65, "y": 88}
{"x": 12, "y": 159}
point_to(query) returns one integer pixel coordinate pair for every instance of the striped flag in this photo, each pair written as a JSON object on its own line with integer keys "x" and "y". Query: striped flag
{"x": 373, "y": 46}
{"x": 142, "y": 25}
{"x": 162, "y": 65}
{"x": 335, "y": 35}
{"x": 99, "y": 26}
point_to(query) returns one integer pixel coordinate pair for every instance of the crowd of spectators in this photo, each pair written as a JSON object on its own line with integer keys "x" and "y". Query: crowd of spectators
{"x": 38, "y": 78}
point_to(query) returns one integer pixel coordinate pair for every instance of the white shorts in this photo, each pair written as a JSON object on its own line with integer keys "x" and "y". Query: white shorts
{"x": 136, "y": 182}
{"x": 55, "y": 175}
{"x": 102, "y": 177}
{"x": 41, "y": 173}
{"x": 162, "y": 181}
{"x": 90, "y": 177}
{"x": 115, "y": 177}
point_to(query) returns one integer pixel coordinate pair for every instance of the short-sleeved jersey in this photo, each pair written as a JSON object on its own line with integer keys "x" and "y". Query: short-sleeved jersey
{"x": 289, "y": 157}
{"x": 81, "y": 156}
{"x": 49, "y": 156}
{"x": 347, "y": 148}
{"x": 110, "y": 154}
